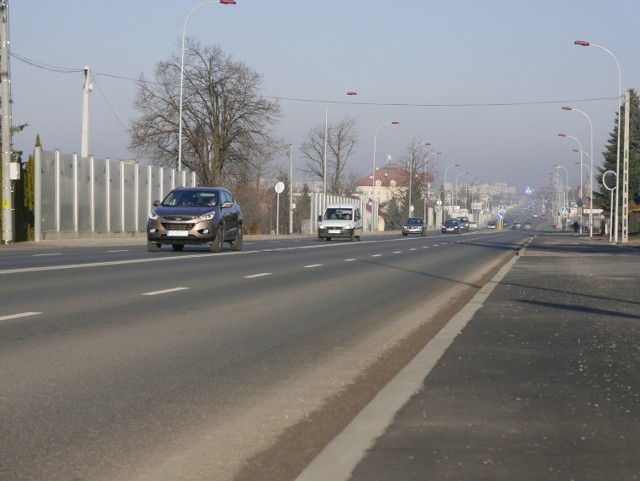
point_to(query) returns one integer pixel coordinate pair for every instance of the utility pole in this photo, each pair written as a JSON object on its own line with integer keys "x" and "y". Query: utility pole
{"x": 625, "y": 170}
{"x": 5, "y": 95}
{"x": 290, "y": 188}
{"x": 87, "y": 87}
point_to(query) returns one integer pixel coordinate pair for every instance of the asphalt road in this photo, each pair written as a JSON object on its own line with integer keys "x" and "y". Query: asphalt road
{"x": 116, "y": 363}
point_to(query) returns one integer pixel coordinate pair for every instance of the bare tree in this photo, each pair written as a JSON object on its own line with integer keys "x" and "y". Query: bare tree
{"x": 342, "y": 139}
{"x": 251, "y": 177}
{"x": 419, "y": 165}
{"x": 222, "y": 110}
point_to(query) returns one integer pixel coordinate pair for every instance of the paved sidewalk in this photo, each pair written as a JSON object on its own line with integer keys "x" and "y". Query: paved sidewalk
{"x": 542, "y": 382}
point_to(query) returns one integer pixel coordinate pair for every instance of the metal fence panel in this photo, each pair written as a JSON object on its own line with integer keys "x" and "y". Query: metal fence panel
{"x": 84, "y": 194}
{"x": 128, "y": 200}
{"x": 100, "y": 183}
{"x": 48, "y": 181}
{"x": 66, "y": 192}
{"x": 88, "y": 197}
{"x": 145, "y": 196}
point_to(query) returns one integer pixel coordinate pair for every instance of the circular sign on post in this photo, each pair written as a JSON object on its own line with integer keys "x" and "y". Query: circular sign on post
{"x": 609, "y": 179}
{"x": 279, "y": 187}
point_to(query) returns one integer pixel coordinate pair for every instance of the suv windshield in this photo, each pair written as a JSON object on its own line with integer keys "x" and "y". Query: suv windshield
{"x": 190, "y": 198}
{"x": 336, "y": 213}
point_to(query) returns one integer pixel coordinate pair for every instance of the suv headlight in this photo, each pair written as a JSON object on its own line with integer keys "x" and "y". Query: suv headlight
{"x": 321, "y": 225}
{"x": 153, "y": 215}
{"x": 208, "y": 215}
{"x": 347, "y": 227}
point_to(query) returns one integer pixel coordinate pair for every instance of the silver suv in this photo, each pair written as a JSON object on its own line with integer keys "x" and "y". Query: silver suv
{"x": 195, "y": 216}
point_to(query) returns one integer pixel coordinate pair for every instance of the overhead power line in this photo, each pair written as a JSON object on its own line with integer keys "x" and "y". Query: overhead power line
{"x": 56, "y": 69}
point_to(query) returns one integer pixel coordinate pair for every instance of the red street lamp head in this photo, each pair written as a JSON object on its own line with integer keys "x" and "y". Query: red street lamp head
{"x": 582, "y": 43}
{"x": 352, "y": 93}
{"x": 562, "y": 135}
{"x": 567, "y": 108}
{"x": 575, "y": 150}
{"x": 228, "y": 2}
{"x": 395, "y": 123}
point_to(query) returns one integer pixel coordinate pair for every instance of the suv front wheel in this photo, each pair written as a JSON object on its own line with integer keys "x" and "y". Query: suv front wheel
{"x": 236, "y": 243}
{"x": 218, "y": 241}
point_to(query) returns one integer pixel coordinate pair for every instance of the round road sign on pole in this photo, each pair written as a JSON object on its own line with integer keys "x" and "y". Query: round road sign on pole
{"x": 279, "y": 187}
{"x": 609, "y": 179}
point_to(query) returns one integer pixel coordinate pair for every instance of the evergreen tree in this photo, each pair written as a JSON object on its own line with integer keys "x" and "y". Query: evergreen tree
{"x": 394, "y": 215}
{"x": 29, "y": 192}
{"x": 302, "y": 210}
{"x": 603, "y": 197}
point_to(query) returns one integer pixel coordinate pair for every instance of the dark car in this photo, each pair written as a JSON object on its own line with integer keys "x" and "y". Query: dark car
{"x": 451, "y": 226}
{"x": 414, "y": 225}
{"x": 195, "y": 216}
{"x": 492, "y": 224}
{"x": 464, "y": 222}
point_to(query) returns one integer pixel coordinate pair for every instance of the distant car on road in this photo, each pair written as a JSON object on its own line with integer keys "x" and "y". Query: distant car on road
{"x": 414, "y": 225}
{"x": 527, "y": 226}
{"x": 464, "y": 222}
{"x": 517, "y": 226}
{"x": 451, "y": 226}
{"x": 195, "y": 216}
{"x": 492, "y": 224}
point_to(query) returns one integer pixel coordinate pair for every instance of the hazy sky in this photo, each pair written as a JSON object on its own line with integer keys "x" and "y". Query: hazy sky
{"x": 482, "y": 80}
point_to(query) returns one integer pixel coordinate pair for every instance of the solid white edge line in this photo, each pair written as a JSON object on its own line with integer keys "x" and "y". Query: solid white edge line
{"x": 19, "y": 315}
{"x": 165, "y": 291}
{"x": 341, "y": 456}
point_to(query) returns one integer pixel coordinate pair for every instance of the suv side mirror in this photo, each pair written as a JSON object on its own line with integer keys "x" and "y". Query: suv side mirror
{"x": 319, "y": 217}
{"x": 155, "y": 203}
{"x": 226, "y": 205}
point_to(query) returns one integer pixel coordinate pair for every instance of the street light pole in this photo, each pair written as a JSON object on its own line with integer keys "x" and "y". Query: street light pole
{"x": 590, "y": 168}
{"x": 444, "y": 189}
{"x": 581, "y": 198}
{"x": 583, "y": 43}
{"x": 373, "y": 182}
{"x": 583, "y": 165}
{"x": 411, "y": 173}
{"x": 324, "y": 149}
{"x": 558, "y": 166}
{"x": 427, "y": 191}
{"x": 560, "y": 191}
{"x": 184, "y": 31}
{"x": 455, "y": 199}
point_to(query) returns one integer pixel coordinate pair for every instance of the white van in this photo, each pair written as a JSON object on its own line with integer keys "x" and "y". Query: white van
{"x": 342, "y": 221}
